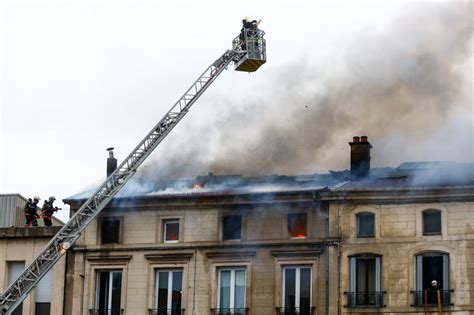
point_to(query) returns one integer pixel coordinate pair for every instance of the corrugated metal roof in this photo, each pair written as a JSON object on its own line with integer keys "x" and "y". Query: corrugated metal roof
{"x": 11, "y": 210}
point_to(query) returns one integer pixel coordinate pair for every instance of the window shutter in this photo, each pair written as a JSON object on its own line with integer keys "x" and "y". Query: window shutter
{"x": 377, "y": 275}
{"x": 352, "y": 274}
{"x": 445, "y": 272}
{"x": 419, "y": 273}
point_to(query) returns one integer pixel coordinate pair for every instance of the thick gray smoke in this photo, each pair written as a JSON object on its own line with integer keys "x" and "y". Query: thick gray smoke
{"x": 408, "y": 88}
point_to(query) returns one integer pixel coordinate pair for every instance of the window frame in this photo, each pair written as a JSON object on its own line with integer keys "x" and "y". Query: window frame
{"x": 232, "y": 285}
{"x": 365, "y": 214}
{"x": 100, "y": 229}
{"x": 109, "y": 284}
{"x": 423, "y": 225}
{"x": 297, "y": 284}
{"x": 223, "y": 218}
{"x": 164, "y": 228}
{"x": 288, "y": 215}
{"x": 170, "y": 285}
{"x": 419, "y": 268}
{"x": 353, "y": 276}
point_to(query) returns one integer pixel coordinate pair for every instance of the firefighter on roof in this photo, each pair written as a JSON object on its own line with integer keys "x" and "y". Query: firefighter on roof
{"x": 31, "y": 211}
{"x": 48, "y": 210}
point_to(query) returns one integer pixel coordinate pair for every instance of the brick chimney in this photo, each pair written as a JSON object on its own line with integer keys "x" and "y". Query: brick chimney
{"x": 111, "y": 162}
{"x": 360, "y": 157}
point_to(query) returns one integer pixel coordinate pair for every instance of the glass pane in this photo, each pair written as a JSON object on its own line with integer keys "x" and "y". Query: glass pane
{"x": 365, "y": 281}
{"x": 163, "y": 289}
{"x": 305, "y": 289}
{"x": 366, "y": 224}
{"x": 116, "y": 292}
{"x": 172, "y": 231}
{"x": 232, "y": 227}
{"x": 239, "y": 297}
{"x": 297, "y": 225}
{"x": 177, "y": 290}
{"x": 432, "y": 222}
{"x": 103, "y": 290}
{"x": 224, "y": 301}
{"x": 290, "y": 277}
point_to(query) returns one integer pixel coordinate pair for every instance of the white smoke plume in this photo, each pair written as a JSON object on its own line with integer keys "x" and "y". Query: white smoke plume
{"x": 407, "y": 87}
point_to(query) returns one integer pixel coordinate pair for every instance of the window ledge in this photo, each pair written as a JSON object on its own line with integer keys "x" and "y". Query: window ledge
{"x": 296, "y": 253}
{"x": 114, "y": 259}
{"x": 230, "y": 255}
{"x": 169, "y": 257}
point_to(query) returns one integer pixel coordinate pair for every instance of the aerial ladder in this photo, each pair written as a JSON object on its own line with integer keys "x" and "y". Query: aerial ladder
{"x": 248, "y": 53}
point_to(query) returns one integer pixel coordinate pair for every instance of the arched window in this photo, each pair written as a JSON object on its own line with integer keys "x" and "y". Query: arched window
{"x": 365, "y": 224}
{"x": 431, "y": 222}
{"x": 432, "y": 275}
{"x": 365, "y": 281}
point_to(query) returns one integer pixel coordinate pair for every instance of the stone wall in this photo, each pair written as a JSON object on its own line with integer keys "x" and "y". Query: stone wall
{"x": 398, "y": 239}
{"x": 264, "y": 249}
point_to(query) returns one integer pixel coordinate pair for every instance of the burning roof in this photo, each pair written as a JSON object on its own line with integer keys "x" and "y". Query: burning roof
{"x": 410, "y": 174}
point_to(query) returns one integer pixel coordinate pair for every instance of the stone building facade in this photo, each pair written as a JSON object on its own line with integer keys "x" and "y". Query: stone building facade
{"x": 18, "y": 247}
{"x": 393, "y": 243}
{"x": 227, "y": 251}
{"x": 363, "y": 241}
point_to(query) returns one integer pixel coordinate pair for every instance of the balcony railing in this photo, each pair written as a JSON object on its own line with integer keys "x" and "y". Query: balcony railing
{"x": 295, "y": 310}
{"x": 113, "y": 311}
{"x": 166, "y": 311}
{"x": 230, "y": 311}
{"x": 430, "y": 297}
{"x": 365, "y": 299}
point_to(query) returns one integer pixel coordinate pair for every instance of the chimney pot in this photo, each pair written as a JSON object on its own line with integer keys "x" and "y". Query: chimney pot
{"x": 111, "y": 162}
{"x": 360, "y": 157}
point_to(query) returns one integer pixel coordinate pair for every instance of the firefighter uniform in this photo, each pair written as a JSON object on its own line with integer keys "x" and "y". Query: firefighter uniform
{"x": 31, "y": 212}
{"x": 48, "y": 210}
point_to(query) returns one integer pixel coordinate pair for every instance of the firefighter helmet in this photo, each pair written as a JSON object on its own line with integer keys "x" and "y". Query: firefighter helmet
{"x": 36, "y": 198}
{"x": 51, "y": 198}
{"x": 245, "y": 19}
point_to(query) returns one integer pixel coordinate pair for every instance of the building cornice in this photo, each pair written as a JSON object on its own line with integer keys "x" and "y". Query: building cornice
{"x": 400, "y": 195}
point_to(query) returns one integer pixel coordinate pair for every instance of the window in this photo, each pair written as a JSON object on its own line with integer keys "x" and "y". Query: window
{"x": 431, "y": 222}
{"x": 231, "y": 227}
{"x": 296, "y": 297}
{"x": 231, "y": 293}
{"x": 365, "y": 225}
{"x": 297, "y": 225}
{"x": 364, "y": 281}
{"x": 169, "y": 291}
{"x": 108, "y": 293}
{"x": 15, "y": 268}
{"x": 110, "y": 231}
{"x": 432, "y": 266}
{"x": 43, "y": 295}
{"x": 171, "y": 231}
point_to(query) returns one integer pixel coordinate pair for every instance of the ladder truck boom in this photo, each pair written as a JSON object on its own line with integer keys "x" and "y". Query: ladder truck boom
{"x": 18, "y": 290}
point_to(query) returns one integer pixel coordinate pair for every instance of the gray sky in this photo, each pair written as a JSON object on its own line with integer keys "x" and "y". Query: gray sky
{"x": 78, "y": 77}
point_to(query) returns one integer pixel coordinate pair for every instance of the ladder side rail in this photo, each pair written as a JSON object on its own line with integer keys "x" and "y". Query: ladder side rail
{"x": 71, "y": 231}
